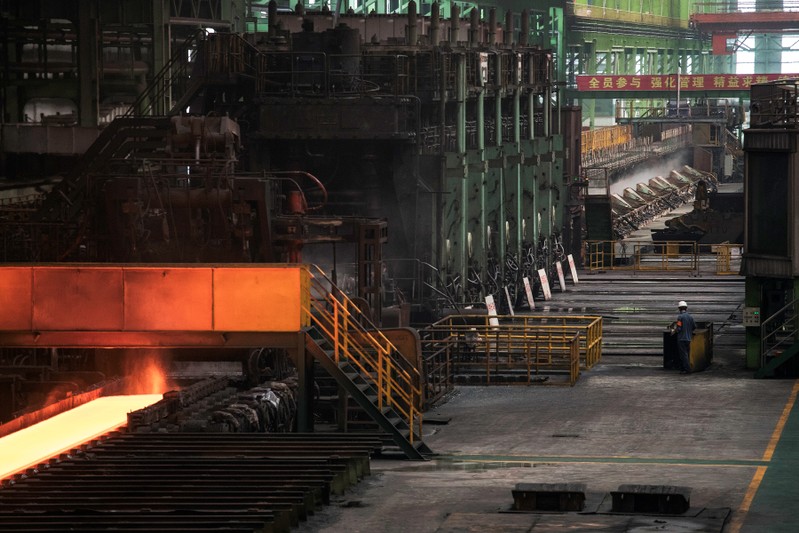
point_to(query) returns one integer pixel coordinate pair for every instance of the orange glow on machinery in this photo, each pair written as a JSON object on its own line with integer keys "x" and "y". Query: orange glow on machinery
{"x": 35, "y": 444}
{"x": 146, "y": 374}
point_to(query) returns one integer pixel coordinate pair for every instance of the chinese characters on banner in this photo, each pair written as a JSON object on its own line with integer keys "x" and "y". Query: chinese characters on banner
{"x": 670, "y": 82}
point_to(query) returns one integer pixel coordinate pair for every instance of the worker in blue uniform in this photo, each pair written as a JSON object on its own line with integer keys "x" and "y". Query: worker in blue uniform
{"x": 684, "y": 330}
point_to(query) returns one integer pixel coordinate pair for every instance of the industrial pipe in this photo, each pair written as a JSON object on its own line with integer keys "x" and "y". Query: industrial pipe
{"x": 525, "y": 27}
{"x": 272, "y": 16}
{"x": 412, "y": 37}
{"x": 474, "y": 26}
{"x": 508, "y": 34}
{"x": 435, "y": 23}
{"x": 492, "y": 26}
{"x": 454, "y": 26}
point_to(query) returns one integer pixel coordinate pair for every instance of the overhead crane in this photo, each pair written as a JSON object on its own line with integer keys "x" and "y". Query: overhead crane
{"x": 727, "y": 21}
{"x": 769, "y": 17}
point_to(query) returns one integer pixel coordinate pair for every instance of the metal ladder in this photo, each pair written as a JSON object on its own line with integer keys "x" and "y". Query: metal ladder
{"x": 366, "y": 364}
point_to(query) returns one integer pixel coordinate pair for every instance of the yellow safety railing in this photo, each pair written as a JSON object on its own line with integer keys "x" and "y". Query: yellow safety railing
{"x": 588, "y": 327}
{"x": 378, "y": 361}
{"x": 722, "y": 259}
{"x": 669, "y": 255}
{"x": 660, "y": 256}
{"x": 606, "y": 138}
{"x": 728, "y": 257}
{"x": 517, "y": 350}
{"x": 620, "y": 15}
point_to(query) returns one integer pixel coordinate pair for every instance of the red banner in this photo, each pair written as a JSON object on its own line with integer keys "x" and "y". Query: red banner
{"x": 670, "y": 82}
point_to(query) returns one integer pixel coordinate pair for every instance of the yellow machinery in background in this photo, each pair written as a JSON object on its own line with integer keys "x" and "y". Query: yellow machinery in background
{"x": 701, "y": 348}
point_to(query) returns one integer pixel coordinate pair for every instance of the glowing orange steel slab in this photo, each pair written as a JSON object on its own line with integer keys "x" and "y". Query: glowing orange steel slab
{"x": 37, "y": 443}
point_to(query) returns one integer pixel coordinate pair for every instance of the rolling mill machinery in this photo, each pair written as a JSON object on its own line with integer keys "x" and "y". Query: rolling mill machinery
{"x": 424, "y": 162}
{"x": 247, "y": 147}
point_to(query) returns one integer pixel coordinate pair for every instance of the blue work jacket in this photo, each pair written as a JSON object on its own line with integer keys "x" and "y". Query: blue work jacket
{"x": 685, "y": 326}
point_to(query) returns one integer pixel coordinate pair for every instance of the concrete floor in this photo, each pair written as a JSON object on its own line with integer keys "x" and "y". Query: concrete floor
{"x": 619, "y": 424}
{"x": 626, "y": 421}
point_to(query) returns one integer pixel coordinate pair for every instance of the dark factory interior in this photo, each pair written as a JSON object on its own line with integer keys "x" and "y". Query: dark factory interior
{"x": 399, "y": 265}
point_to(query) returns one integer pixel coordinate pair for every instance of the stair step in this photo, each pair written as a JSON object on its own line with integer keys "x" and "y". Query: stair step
{"x": 364, "y": 387}
{"x": 357, "y": 411}
{"x": 397, "y": 422}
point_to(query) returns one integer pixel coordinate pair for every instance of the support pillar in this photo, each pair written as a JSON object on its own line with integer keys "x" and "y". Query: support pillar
{"x": 305, "y": 391}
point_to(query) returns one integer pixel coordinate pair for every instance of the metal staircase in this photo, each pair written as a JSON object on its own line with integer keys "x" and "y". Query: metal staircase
{"x": 365, "y": 363}
{"x": 778, "y": 340}
{"x": 122, "y": 138}
{"x": 141, "y": 133}
{"x": 734, "y": 148}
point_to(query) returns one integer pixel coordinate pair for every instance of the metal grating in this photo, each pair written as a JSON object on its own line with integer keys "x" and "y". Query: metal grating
{"x": 186, "y": 482}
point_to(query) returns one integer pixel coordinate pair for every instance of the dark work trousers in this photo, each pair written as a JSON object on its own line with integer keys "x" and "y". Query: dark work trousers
{"x": 684, "y": 348}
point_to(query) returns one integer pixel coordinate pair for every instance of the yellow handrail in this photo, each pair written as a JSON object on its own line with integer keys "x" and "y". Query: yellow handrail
{"x": 398, "y": 384}
{"x": 640, "y": 256}
{"x": 530, "y": 344}
{"x": 533, "y": 328}
{"x": 663, "y": 256}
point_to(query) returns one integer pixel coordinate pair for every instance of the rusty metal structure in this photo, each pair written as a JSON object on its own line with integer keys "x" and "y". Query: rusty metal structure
{"x": 423, "y": 161}
{"x": 187, "y": 482}
{"x": 323, "y": 129}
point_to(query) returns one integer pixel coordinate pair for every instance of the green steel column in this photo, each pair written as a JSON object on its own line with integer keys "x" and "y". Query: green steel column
{"x": 629, "y": 60}
{"x": 461, "y": 105}
{"x": 478, "y": 233}
{"x": 517, "y": 112}
{"x": 546, "y": 204}
{"x": 589, "y": 105}
{"x": 481, "y": 135}
{"x": 531, "y": 114}
{"x": 557, "y": 41}
{"x": 461, "y": 149}
{"x": 768, "y": 48}
{"x": 547, "y": 114}
{"x": 499, "y": 173}
{"x": 235, "y": 12}
{"x": 685, "y": 9}
{"x": 500, "y": 154}
{"x": 497, "y": 140}
{"x": 768, "y": 54}
{"x": 532, "y": 171}
{"x": 541, "y": 189}
{"x": 442, "y": 255}
{"x": 674, "y": 57}
{"x": 516, "y": 173}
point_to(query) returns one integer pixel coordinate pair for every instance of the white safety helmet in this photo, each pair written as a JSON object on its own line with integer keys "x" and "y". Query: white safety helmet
{"x": 682, "y": 303}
